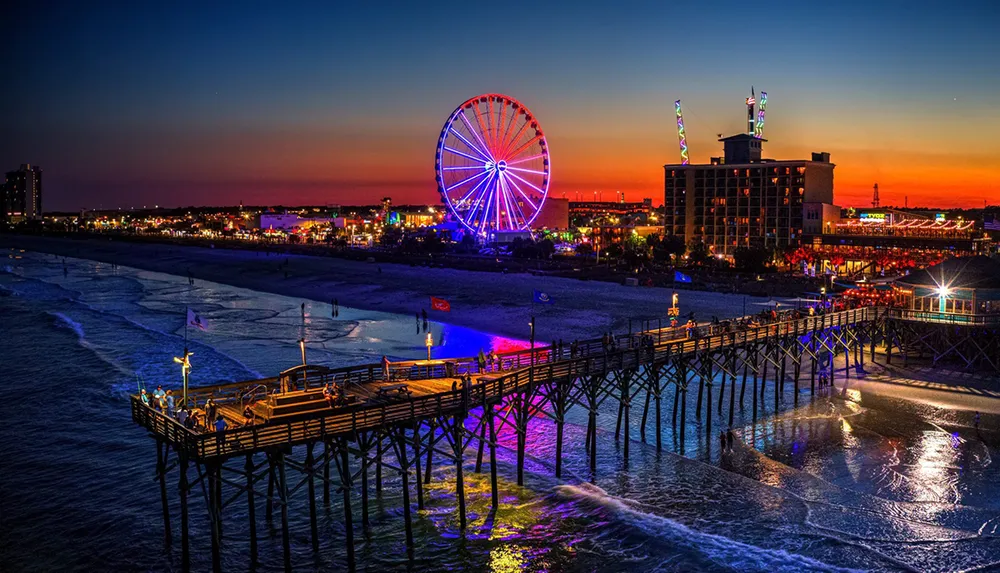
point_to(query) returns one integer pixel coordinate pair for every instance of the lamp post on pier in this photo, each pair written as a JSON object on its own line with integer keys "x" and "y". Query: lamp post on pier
{"x": 185, "y": 370}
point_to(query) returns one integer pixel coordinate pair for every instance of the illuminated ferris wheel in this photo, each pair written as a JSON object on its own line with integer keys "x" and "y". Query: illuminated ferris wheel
{"x": 492, "y": 165}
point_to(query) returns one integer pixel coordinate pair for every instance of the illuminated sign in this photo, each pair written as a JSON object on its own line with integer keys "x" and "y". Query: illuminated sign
{"x": 940, "y": 218}
{"x": 880, "y": 217}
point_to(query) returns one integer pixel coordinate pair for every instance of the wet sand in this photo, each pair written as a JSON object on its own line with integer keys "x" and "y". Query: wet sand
{"x": 490, "y": 302}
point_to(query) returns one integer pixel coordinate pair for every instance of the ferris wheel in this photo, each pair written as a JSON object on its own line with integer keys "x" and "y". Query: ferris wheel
{"x": 492, "y": 165}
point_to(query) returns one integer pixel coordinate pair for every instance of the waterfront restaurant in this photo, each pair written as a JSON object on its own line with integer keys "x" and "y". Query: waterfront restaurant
{"x": 961, "y": 285}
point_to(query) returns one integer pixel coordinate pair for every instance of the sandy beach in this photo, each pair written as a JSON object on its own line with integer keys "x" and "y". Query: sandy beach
{"x": 490, "y": 302}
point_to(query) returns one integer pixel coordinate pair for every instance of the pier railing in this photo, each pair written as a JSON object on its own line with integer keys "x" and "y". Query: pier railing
{"x": 945, "y": 317}
{"x": 593, "y": 357}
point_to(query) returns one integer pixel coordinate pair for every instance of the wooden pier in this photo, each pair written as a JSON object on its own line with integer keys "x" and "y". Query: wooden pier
{"x": 452, "y": 410}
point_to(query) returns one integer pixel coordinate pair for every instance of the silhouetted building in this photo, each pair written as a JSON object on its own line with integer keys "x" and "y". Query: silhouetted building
{"x": 742, "y": 200}
{"x": 22, "y": 194}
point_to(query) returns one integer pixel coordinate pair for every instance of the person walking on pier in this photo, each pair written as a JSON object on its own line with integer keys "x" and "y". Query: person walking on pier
{"x": 220, "y": 427}
{"x": 170, "y": 403}
{"x": 385, "y": 368}
{"x": 210, "y": 411}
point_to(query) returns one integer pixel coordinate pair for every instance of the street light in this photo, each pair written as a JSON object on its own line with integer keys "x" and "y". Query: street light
{"x": 185, "y": 369}
{"x": 429, "y": 341}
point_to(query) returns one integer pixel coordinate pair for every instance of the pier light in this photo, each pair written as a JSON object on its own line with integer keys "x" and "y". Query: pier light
{"x": 943, "y": 291}
{"x": 429, "y": 341}
{"x": 185, "y": 370}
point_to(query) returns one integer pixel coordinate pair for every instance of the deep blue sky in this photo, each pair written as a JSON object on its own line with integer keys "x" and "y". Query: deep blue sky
{"x": 131, "y": 103}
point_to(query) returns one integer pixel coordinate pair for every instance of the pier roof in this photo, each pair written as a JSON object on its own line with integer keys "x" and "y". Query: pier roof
{"x": 979, "y": 272}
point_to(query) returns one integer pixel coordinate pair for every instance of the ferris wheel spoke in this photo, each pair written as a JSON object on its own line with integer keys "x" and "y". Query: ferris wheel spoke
{"x": 473, "y": 190}
{"x": 525, "y": 159}
{"x": 466, "y": 155}
{"x": 488, "y": 197}
{"x": 506, "y": 200}
{"x": 485, "y": 155}
{"x": 507, "y": 145}
{"x": 523, "y": 194}
{"x": 480, "y": 167}
{"x": 513, "y": 207}
{"x": 482, "y": 129}
{"x": 490, "y": 136}
{"x": 527, "y": 145}
{"x": 479, "y": 201}
{"x": 510, "y": 124}
{"x": 518, "y": 204}
{"x": 522, "y": 170}
{"x": 500, "y": 122}
{"x": 466, "y": 180}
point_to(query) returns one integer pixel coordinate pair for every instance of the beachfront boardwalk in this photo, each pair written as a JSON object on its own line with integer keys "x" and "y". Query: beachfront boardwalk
{"x": 399, "y": 417}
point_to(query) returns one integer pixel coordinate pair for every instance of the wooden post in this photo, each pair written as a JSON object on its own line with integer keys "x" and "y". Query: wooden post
{"x": 618, "y": 424}
{"x": 459, "y": 476}
{"x": 797, "y": 368}
{"x": 722, "y": 393}
{"x": 560, "y": 404}
{"x": 677, "y": 399}
{"x": 345, "y": 487}
{"x": 779, "y": 373}
{"x": 743, "y": 384}
{"x": 269, "y": 508}
{"x": 701, "y": 391}
{"x": 645, "y": 413}
{"x": 162, "y": 449}
{"x": 763, "y": 379}
{"x": 754, "y": 389}
{"x": 626, "y": 409}
{"x": 708, "y": 411}
{"x": 592, "y": 424}
{"x": 326, "y": 471}
{"x": 657, "y": 397}
{"x": 311, "y": 486}
{"x": 378, "y": 467}
{"x": 416, "y": 464}
{"x": 364, "y": 444}
{"x": 482, "y": 443}
{"x": 286, "y": 542}
{"x": 407, "y": 520}
{"x": 251, "y": 508}
{"x": 182, "y": 487}
{"x": 683, "y": 391}
{"x": 214, "y": 517}
{"x": 813, "y": 363}
{"x": 732, "y": 398}
{"x": 430, "y": 453}
{"x": 494, "y": 494}
{"x": 521, "y": 423}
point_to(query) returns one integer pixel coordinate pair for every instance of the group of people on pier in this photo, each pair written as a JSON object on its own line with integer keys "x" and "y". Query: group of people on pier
{"x": 195, "y": 419}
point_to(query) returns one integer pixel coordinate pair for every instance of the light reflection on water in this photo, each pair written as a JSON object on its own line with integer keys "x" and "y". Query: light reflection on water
{"x": 849, "y": 480}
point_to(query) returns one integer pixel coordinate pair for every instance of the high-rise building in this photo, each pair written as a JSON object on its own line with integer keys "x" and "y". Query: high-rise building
{"x": 743, "y": 200}
{"x": 22, "y": 194}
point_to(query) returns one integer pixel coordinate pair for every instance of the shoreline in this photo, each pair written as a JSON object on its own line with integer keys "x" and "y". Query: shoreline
{"x": 486, "y": 301}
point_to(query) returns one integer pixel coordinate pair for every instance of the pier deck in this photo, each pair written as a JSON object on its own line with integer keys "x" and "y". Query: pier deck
{"x": 436, "y": 388}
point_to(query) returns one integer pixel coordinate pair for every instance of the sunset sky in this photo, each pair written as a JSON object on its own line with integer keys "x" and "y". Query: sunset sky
{"x": 126, "y": 104}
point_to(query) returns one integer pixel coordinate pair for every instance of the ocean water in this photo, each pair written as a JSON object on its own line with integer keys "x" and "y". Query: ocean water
{"x": 846, "y": 481}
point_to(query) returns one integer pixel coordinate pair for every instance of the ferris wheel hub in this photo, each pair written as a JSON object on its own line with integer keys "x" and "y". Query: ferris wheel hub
{"x": 502, "y": 165}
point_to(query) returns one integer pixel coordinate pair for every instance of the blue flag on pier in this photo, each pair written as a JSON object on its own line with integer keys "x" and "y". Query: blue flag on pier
{"x": 681, "y": 277}
{"x": 542, "y": 297}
